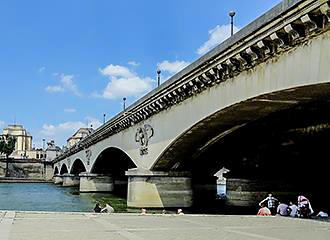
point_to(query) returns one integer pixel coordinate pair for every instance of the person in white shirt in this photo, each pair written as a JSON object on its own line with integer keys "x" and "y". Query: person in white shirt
{"x": 107, "y": 209}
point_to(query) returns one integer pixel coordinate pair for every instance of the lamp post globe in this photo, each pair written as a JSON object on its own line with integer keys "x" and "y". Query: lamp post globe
{"x": 232, "y": 13}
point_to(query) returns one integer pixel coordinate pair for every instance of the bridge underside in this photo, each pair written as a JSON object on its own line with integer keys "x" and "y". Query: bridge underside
{"x": 273, "y": 143}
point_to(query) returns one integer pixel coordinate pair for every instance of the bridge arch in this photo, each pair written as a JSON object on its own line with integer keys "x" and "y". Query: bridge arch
{"x": 191, "y": 143}
{"x": 112, "y": 160}
{"x": 64, "y": 169}
{"x": 56, "y": 170}
{"x": 77, "y": 167}
{"x": 255, "y": 138}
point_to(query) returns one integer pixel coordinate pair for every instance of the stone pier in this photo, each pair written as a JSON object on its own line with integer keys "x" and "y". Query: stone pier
{"x": 91, "y": 182}
{"x": 205, "y": 190}
{"x": 158, "y": 189}
{"x": 249, "y": 192}
{"x": 58, "y": 179}
{"x": 70, "y": 180}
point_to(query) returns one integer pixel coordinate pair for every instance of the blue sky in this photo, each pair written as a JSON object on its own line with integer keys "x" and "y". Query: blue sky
{"x": 65, "y": 63}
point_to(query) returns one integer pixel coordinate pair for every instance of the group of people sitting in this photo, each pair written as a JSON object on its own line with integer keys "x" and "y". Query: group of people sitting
{"x": 272, "y": 206}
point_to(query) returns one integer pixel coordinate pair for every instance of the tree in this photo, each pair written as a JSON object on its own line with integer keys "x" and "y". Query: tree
{"x": 7, "y": 146}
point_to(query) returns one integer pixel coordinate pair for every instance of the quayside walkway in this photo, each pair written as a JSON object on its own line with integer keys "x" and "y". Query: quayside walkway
{"x": 16, "y": 225}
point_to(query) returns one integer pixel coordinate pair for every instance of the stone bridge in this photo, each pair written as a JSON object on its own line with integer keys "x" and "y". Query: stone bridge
{"x": 264, "y": 85}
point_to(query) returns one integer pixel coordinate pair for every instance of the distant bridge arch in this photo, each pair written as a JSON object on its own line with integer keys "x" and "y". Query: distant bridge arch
{"x": 77, "y": 167}
{"x": 56, "y": 170}
{"x": 64, "y": 169}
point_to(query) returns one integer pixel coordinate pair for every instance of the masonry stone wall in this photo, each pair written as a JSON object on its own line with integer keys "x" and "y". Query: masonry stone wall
{"x": 27, "y": 169}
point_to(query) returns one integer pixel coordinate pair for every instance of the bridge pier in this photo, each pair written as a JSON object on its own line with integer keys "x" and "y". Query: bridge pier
{"x": 91, "y": 182}
{"x": 205, "y": 190}
{"x": 249, "y": 192}
{"x": 58, "y": 179}
{"x": 158, "y": 189}
{"x": 70, "y": 180}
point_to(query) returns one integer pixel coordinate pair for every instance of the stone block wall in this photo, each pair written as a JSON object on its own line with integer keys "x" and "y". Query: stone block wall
{"x": 27, "y": 169}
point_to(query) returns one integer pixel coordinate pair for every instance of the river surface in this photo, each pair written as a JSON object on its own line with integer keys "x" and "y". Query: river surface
{"x": 49, "y": 197}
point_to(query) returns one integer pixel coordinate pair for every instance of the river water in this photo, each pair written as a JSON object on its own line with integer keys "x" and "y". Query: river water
{"x": 50, "y": 197}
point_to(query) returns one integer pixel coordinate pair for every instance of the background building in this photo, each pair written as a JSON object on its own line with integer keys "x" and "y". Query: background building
{"x": 80, "y": 134}
{"x": 23, "y": 145}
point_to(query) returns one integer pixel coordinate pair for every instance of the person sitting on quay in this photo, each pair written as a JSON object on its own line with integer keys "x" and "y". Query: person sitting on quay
{"x": 180, "y": 212}
{"x": 305, "y": 209}
{"x": 271, "y": 203}
{"x": 294, "y": 209}
{"x": 264, "y": 211}
{"x": 283, "y": 209}
{"x": 107, "y": 209}
{"x": 97, "y": 208}
{"x": 143, "y": 211}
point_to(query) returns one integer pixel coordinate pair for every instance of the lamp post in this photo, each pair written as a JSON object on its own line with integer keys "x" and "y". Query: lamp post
{"x": 124, "y": 105}
{"x": 43, "y": 144}
{"x": 103, "y": 118}
{"x": 231, "y": 15}
{"x": 158, "y": 77}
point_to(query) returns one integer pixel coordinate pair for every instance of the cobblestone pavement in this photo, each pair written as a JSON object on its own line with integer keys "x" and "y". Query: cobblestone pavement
{"x": 72, "y": 226}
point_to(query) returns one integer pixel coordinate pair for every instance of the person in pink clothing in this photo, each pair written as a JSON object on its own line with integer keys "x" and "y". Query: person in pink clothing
{"x": 264, "y": 211}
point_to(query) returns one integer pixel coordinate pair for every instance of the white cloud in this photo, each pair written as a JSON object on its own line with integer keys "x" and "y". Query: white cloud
{"x": 123, "y": 83}
{"x": 54, "y": 89}
{"x": 172, "y": 67}
{"x": 71, "y": 110}
{"x": 2, "y": 123}
{"x": 52, "y": 130}
{"x": 133, "y": 63}
{"x": 61, "y": 132}
{"x": 67, "y": 81}
{"x": 216, "y": 36}
{"x": 40, "y": 70}
{"x": 116, "y": 71}
{"x": 67, "y": 84}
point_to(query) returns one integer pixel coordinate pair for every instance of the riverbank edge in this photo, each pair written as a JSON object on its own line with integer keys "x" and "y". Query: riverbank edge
{"x": 327, "y": 221}
{"x": 24, "y": 180}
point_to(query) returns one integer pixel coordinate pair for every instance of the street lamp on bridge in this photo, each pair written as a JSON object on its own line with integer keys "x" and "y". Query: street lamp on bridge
{"x": 231, "y": 15}
{"x": 124, "y": 105}
{"x": 158, "y": 77}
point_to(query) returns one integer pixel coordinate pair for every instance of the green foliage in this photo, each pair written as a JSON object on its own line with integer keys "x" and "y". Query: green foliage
{"x": 7, "y": 145}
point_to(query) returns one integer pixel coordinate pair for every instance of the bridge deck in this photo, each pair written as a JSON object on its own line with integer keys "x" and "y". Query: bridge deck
{"x": 34, "y": 225}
